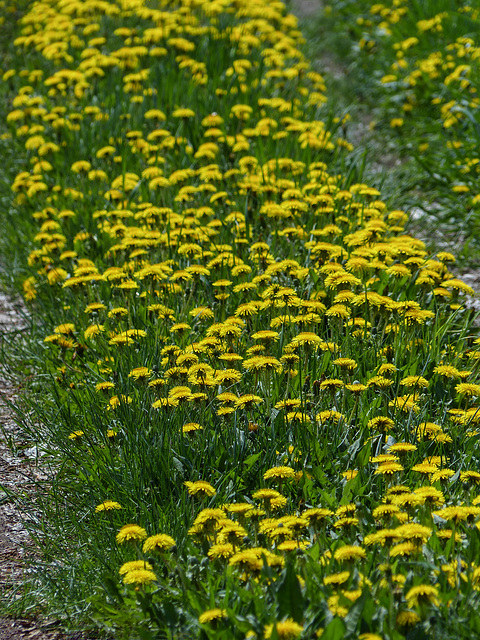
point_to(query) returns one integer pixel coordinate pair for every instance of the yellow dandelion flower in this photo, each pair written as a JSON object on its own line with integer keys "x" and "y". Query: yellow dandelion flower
{"x": 247, "y": 560}
{"x": 131, "y": 532}
{"x": 191, "y": 427}
{"x": 336, "y": 578}
{"x": 331, "y": 384}
{"x": 76, "y": 435}
{"x": 468, "y": 389}
{"x": 422, "y": 593}
{"x": 266, "y": 335}
{"x": 414, "y": 381}
{"x": 347, "y": 521}
{"x": 108, "y": 505}
{"x": 414, "y": 532}
{"x": 407, "y": 619}
{"x": 402, "y": 447}
{"x": 388, "y": 468}
{"x": 403, "y": 549}
{"x": 263, "y": 363}
{"x": 350, "y": 552}
{"x": 139, "y": 576}
{"x": 104, "y": 386}
{"x": 288, "y": 629}
{"x": 306, "y": 339}
{"x": 140, "y": 373}
{"x": 346, "y": 363}
{"x": 380, "y": 382}
{"x": 442, "y": 475}
{"x": 448, "y": 371}
{"x": 266, "y": 495}
{"x": 279, "y": 473}
{"x": 317, "y": 515}
{"x": 95, "y": 306}
{"x": 381, "y": 423}
{"x": 470, "y": 476}
{"x": 225, "y": 550}
{"x": 159, "y": 542}
{"x": 208, "y": 517}
{"x": 134, "y": 564}
{"x": 247, "y": 401}
{"x": 183, "y": 113}
{"x": 201, "y": 488}
{"x": 65, "y": 329}
{"x": 385, "y": 510}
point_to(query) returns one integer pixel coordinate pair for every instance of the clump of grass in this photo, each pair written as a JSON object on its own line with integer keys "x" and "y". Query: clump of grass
{"x": 259, "y": 392}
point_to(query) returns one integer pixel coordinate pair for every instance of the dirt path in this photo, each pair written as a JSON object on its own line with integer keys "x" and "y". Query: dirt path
{"x": 305, "y": 8}
{"x": 19, "y": 470}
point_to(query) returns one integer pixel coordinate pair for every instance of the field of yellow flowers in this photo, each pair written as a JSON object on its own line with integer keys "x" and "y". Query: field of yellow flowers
{"x": 415, "y": 68}
{"x": 258, "y": 391}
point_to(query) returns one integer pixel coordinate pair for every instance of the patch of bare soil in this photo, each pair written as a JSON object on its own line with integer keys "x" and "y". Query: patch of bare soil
{"x": 28, "y": 629}
{"x": 20, "y": 469}
{"x": 306, "y": 8}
